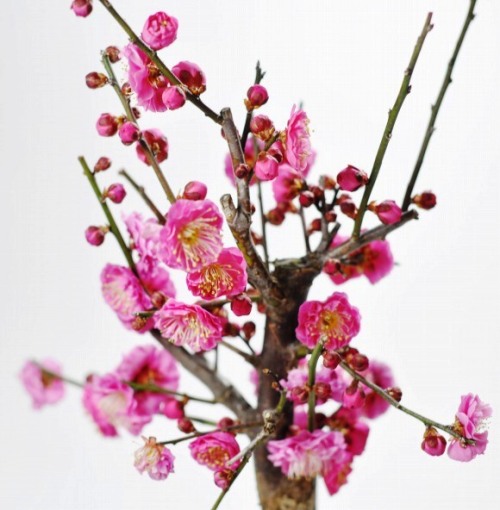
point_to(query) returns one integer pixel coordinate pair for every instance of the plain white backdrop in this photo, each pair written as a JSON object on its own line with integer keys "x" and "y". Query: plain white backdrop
{"x": 434, "y": 320}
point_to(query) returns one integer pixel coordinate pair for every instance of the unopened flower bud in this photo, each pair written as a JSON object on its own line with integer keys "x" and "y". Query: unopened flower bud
{"x": 248, "y": 330}
{"x": 347, "y": 206}
{"x": 126, "y": 89}
{"x": 256, "y": 96}
{"x": 107, "y": 124}
{"x": 116, "y": 193}
{"x": 426, "y": 200}
{"x": 82, "y": 8}
{"x": 129, "y": 133}
{"x": 95, "y": 235}
{"x": 194, "y": 190}
{"x": 262, "y": 127}
{"x": 102, "y": 164}
{"x": 225, "y": 423}
{"x": 241, "y": 305}
{"x": 388, "y": 211}
{"x": 230, "y": 329}
{"x": 359, "y": 362}
{"x": 185, "y": 425}
{"x": 315, "y": 225}
{"x": 242, "y": 171}
{"x": 174, "y": 409}
{"x": 266, "y": 167}
{"x": 95, "y": 80}
{"x": 158, "y": 299}
{"x": 331, "y": 266}
{"x": 395, "y": 393}
{"x": 139, "y": 322}
{"x": 328, "y": 182}
{"x": 330, "y": 217}
{"x": 223, "y": 477}
{"x": 275, "y": 216}
{"x": 354, "y": 396}
{"x": 331, "y": 359}
{"x": 306, "y": 198}
{"x": 113, "y": 53}
{"x": 173, "y": 98}
{"x": 319, "y": 193}
{"x": 300, "y": 394}
{"x": 190, "y": 75}
{"x": 434, "y": 443}
{"x": 351, "y": 178}
{"x": 322, "y": 390}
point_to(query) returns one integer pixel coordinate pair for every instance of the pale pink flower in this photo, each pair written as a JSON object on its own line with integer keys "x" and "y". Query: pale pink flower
{"x": 214, "y": 450}
{"x": 388, "y": 212}
{"x": 124, "y": 293}
{"x": 188, "y": 325}
{"x": 287, "y": 184}
{"x": 297, "y": 143}
{"x": 156, "y": 459}
{"x": 112, "y": 405}
{"x": 43, "y": 388}
{"x": 225, "y": 277}
{"x": 191, "y": 237}
{"x": 145, "y": 79}
{"x": 160, "y": 30}
{"x": 308, "y": 454}
{"x": 145, "y": 234}
{"x": 334, "y": 322}
{"x": 148, "y": 364}
{"x": 192, "y": 76}
{"x": 158, "y": 144}
{"x": 266, "y": 167}
{"x": 351, "y": 178}
{"x": 471, "y": 420}
{"x": 174, "y": 98}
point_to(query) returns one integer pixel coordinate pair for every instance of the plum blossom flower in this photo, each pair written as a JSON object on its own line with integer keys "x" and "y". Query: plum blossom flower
{"x": 214, "y": 450}
{"x": 155, "y": 278}
{"x": 160, "y": 30}
{"x": 355, "y": 431}
{"x": 334, "y": 322}
{"x": 226, "y": 276}
{"x": 174, "y": 98}
{"x": 191, "y": 236}
{"x": 266, "y": 167}
{"x": 42, "y": 387}
{"x": 189, "y": 325}
{"x": 336, "y": 475}
{"x": 145, "y": 234}
{"x": 297, "y": 143}
{"x": 433, "y": 443}
{"x": 158, "y": 144}
{"x": 470, "y": 422}
{"x": 307, "y": 454}
{"x": 145, "y": 79}
{"x": 112, "y": 405}
{"x": 388, "y": 211}
{"x": 287, "y": 184}
{"x": 192, "y": 76}
{"x": 147, "y": 364}
{"x": 351, "y": 178}
{"x": 156, "y": 459}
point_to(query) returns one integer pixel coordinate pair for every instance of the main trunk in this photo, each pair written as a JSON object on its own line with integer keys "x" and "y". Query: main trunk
{"x": 277, "y": 492}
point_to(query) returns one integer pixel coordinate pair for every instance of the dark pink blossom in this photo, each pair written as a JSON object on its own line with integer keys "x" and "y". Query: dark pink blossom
{"x": 433, "y": 444}
{"x": 174, "y": 98}
{"x": 107, "y": 124}
{"x": 115, "y": 192}
{"x": 191, "y": 236}
{"x": 82, "y": 8}
{"x": 214, "y": 450}
{"x": 155, "y": 278}
{"x": 188, "y": 325}
{"x": 192, "y": 76}
{"x": 288, "y": 184}
{"x": 43, "y": 388}
{"x": 160, "y": 30}
{"x": 380, "y": 374}
{"x": 351, "y": 178}
{"x": 334, "y": 322}
{"x": 156, "y": 459}
{"x": 95, "y": 235}
{"x": 158, "y": 144}
{"x": 194, "y": 190}
{"x": 129, "y": 133}
{"x": 297, "y": 143}
{"x": 336, "y": 475}
{"x": 388, "y": 212}
{"x": 266, "y": 167}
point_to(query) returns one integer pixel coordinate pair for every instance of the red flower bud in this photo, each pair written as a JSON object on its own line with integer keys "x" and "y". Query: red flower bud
{"x": 96, "y": 80}
{"x": 241, "y": 305}
{"x": 351, "y": 178}
{"x": 242, "y": 171}
{"x": 113, "y": 53}
{"x": 95, "y": 235}
{"x": 306, "y": 198}
{"x": 194, "y": 190}
{"x": 185, "y": 425}
{"x": 248, "y": 330}
{"x": 322, "y": 390}
{"x": 426, "y": 200}
{"x": 331, "y": 359}
{"x": 262, "y": 127}
{"x": 395, "y": 393}
{"x": 102, "y": 164}
{"x": 275, "y": 216}
{"x": 256, "y": 96}
{"x": 107, "y": 125}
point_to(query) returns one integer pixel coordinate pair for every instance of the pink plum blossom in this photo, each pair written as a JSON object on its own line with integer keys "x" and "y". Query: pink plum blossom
{"x": 433, "y": 444}
{"x": 156, "y": 459}
{"x": 174, "y": 98}
{"x": 194, "y": 190}
{"x": 107, "y": 125}
{"x": 388, "y": 212}
{"x": 380, "y": 374}
{"x": 188, "y": 325}
{"x": 145, "y": 234}
{"x": 148, "y": 364}
{"x": 334, "y": 322}
{"x": 336, "y": 475}
{"x": 128, "y": 133}
{"x": 155, "y": 278}
{"x": 297, "y": 143}
{"x": 214, "y": 450}
{"x": 225, "y": 277}
{"x": 351, "y": 178}
{"x": 287, "y": 184}
{"x": 43, "y": 388}
{"x": 355, "y": 431}
{"x": 158, "y": 144}
{"x": 112, "y": 405}
{"x": 191, "y": 236}
{"x": 470, "y": 422}
{"x": 192, "y": 76}
{"x": 160, "y": 30}
{"x": 307, "y": 454}
{"x": 266, "y": 167}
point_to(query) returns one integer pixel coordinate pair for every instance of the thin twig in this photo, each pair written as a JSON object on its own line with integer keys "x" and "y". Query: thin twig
{"x": 391, "y": 121}
{"x": 263, "y": 222}
{"x": 249, "y": 358}
{"x": 304, "y": 229}
{"x": 153, "y": 388}
{"x": 436, "y": 106}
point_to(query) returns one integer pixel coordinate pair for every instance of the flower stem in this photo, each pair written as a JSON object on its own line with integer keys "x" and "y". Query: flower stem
{"x": 249, "y": 358}
{"x": 107, "y": 212}
{"x": 158, "y": 389}
{"x": 263, "y": 221}
{"x": 68, "y": 380}
{"x": 436, "y": 106}
{"x": 311, "y": 403}
{"x": 304, "y": 229}
{"x": 391, "y": 121}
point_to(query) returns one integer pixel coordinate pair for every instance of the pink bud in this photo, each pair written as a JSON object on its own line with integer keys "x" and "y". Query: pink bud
{"x": 434, "y": 444}
{"x": 351, "y": 178}
{"x": 160, "y": 30}
{"x": 225, "y": 423}
{"x": 174, "y": 409}
{"x": 354, "y": 396}
{"x": 359, "y": 362}
{"x": 241, "y": 305}
{"x": 300, "y": 394}
{"x": 262, "y": 127}
{"x": 241, "y": 171}
{"x": 173, "y": 98}
{"x": 102, "y": 164}
{"x": 95, "y": 235}
{"x": 194, "y": 190}
{"x": 275, "y": 216}
{"x": 256, "y": 96}
{"x": 223, "y": 477}
{"x": 113, "y": 53}
{"x": 95, "y": 80}
{"x": 388, "y": 211}
{"x": 266, "y": 168}
{"x": 426, "y": 200}
{"x": 107, "y": 125}
{"x": 116, "y": 193}
{"x": 82, "y": 8}
{"x": 322, "y": 390}
{"x": 306, "y": 198}
{"x": 347, "y": 206}
{"x": 185, "y": 425}
{"x": 331, "y": 359}
{"x": 190, "y": 75}
{"x": 129, "y": 133}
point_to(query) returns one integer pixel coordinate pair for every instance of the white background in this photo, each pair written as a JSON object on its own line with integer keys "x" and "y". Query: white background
{"x": 435, "y": 320}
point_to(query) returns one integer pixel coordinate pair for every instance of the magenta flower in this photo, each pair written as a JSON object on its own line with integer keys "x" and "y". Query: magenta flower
{"x": 191, "y": 236}
{"x": 214, "y": 450}
{"x": 192, "y": 76}
{"x": 82, "y": 8}
{"x": 470, "y": 422}
{"x": 287, "y": 184}
{"x": 225, "y": 277}
{"x": 388, "y": 212}
{"x": 160, "y": 30}
{"x": 148, "y": 364}
{"x": 145, "y": 79}
{"x": 297, "y": 143}
{"x": 351, "y": 178}
{"x": 266, "y": 167}
{"x": 380, "y": 374}
{"x": 158, "y": 144}
{"x": 434, "y": 444}
{"x": 124, "y": 293}
{"x": 112, "y": 405}
{"x": 195, "y": 190}
{"x": 129, "y": 133}
{"x": 336, "y": 475}
{"x": 156, "y": 459}
{"x": 43, "y": 388}
{"x": 95, "y": 235}
{"x": 174, "y": 98}
{"x": 155, "y": 278}
{"x": 256, "y": 96}
{"x": 355, "y": 431}
{"x": 188, "y": 325}
{"x": 107, "y": 124}
{"x": 334, "y": 322}
{"x": 308, "y": 454}
{"x": 115, "y": 192}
